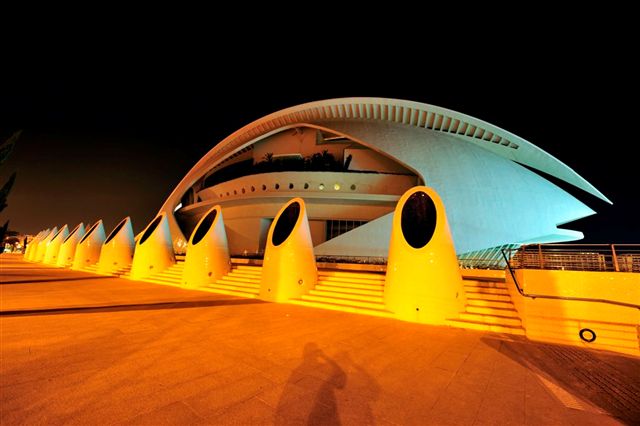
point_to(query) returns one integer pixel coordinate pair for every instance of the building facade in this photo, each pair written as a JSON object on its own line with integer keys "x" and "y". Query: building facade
{"x": 352, "y": 159}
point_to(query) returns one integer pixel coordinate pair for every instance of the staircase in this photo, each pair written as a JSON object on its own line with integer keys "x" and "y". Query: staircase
{"x": 243, "y": 281}
{"x": 347, "y": 291}
{"x": 170, "y": 276}
{"x": 91, "y": 268}
{"x": 489, "y": 307}
{"x": 122, "y": 272}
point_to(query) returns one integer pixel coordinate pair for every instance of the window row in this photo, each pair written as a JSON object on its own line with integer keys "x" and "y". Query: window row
{"x": 321, "y": 187}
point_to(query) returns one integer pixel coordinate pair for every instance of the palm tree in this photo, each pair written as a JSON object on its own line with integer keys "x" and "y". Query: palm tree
{"x": 5, "y": 150}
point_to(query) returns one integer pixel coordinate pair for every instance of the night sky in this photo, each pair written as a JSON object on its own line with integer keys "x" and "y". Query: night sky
{"x": 111, "y": 137}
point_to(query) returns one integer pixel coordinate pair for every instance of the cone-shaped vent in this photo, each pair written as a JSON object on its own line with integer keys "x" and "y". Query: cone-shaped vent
{"x": 117, "y": 250}
{"x": 68, "y": 247}
{"x": 53, "y": 248}
{"x": 89, "y": 247}
{"x": 208, "y": 251}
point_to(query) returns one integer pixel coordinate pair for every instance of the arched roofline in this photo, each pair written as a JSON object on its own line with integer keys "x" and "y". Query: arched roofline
{"x": 416, "y": 114}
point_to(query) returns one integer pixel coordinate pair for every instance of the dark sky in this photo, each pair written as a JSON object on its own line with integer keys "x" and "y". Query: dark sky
{"x": 112, "y": 136}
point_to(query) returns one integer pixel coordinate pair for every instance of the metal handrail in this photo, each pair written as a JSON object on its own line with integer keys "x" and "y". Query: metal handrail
{"x": 579, "y": 257}
{"x": 372, "y": 260}
{"x": 548, "y": 296}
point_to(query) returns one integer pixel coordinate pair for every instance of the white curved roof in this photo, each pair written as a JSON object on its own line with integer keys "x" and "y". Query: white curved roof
{"x": 419, "y": 115}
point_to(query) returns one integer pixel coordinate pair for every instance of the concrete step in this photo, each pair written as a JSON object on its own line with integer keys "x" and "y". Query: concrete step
{"x": 496, "y": 328}
{"x": 351, "y": 275}
{"x": 350, "y": 296}
{"x": 483, "y": 274}
{"x": 177, "y": 266}
{"x": 217, "y": 289}
{"x": 491, "y": 319}
{"x": 347, "y": 289}
{"x": 344, "y": 284}
{"x": 248, "y": 267}
{"x": 171, "y": 272}
{"x": 506, "y": 311}
{"x": 484, "y": 284}
{"x": 167, "y": 277}
{"x": 342, "y": 301}
{"x": 487, "y": 282}
{"x": 237, "y": 286}
{"x": 248, "y": 274}
{"x": 155, "y": 280}
{"x": 232, "y": 277}
{"x": 121, "y": 272}
{"x": 343, "y": 308}
{"x": 487, "y": 290}
{"x": 488, "y": 296}
{"x": 352, "y": 280}
{"x": 506, "y": 304}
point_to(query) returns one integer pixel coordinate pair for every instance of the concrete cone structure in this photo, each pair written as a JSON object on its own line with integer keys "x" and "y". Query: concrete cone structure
{"x": 53, "y": 248}
{"x": 154, "y": 250}
{"x": 68, "y": 246}
{"x": 89, "y": 246}
{"x": 42, "y": 245}
{"x": 207, "y": 257}
{"x": 423, "y": 282}
{"x": 117, "y": 250}
{"x": 36, "y": 241}
{"x": 289, "y": 267}
{"x": 32, "y": 247}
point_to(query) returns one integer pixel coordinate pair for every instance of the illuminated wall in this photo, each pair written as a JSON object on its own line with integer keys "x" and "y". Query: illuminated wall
{"x": 490, "y": 198}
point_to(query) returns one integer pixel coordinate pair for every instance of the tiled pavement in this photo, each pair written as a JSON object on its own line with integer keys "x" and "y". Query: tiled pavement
{"x": 83, "y": 349}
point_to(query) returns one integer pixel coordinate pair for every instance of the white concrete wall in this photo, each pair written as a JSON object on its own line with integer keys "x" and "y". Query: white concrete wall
{"x": 472, "y": 164}
{"x": 247, "y": 215}
{"x": 363, "y": 183}
{"x": 318, "y": 230}
{"x": 244, "y": 234}
{"x": 490, "y": 200}
{"x": 370, "y": 239}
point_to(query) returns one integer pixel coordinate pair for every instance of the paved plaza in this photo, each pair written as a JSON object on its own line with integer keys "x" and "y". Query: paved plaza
{"x": 85, "y": 349}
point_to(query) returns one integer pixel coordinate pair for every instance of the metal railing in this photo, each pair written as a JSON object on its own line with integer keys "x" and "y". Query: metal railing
{"x": 481, "y": 263}
{"x": 506, "y": 254}
{"x": 248, "y": 255}
{"x": 369, "y": 260}
{"x": 577, "y": 257}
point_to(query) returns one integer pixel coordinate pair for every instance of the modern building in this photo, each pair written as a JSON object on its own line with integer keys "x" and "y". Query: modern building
{"x": 414, "y": 189}
{"x": 351, "y": 159}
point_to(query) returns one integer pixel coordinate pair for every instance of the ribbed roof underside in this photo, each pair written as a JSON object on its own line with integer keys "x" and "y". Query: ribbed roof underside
{"x": 429, "y": 117}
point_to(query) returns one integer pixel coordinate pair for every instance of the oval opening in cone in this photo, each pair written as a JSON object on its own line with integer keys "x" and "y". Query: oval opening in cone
{"x": 72, "y": 232}
{"x": 286, "y": 223}
{"x": 418, "y": 220}
{"x": 93, "y": 228}
{"x": 152, "y": 227}
{"x": 204, "y": 227}
{"x": 116, "y": 230}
